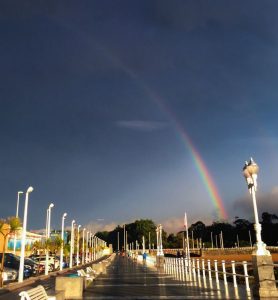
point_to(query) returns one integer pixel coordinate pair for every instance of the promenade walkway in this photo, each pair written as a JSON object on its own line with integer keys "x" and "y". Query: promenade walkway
{"x": 126, "y": 279}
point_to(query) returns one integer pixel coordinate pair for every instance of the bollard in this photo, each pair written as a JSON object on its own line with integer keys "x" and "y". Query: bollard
{"x": 209, "y": 270}
{"x": 224, "y": 272}
{"x": 198, "y": 268}
{"x": 216, "y": 270}
{"x": 246, "y": 276}
{"x": 193, "y": 269}
{"x": 203, "y": 268}
{"x": 234, "y": 273}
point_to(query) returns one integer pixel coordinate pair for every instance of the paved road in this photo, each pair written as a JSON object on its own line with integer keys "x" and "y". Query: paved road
{"x": 126, "y": 279}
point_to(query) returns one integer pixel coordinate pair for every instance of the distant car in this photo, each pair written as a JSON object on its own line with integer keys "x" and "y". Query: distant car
{"x": 9, "y": 274}
{"x": 12, "y": 261}
{"x": 53, "y": 262}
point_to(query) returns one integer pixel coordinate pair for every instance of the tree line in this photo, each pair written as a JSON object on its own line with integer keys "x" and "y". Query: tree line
{"x": 239, "y": 233}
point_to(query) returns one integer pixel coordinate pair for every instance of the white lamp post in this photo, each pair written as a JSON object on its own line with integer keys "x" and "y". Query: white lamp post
{"x": 71, "y": 242}
{"x": 77, "y": 261}
{"x": 47, "y": 237}
{"x": 264, "y": 279}
{"x": 83, "y": 246}
{"x": 17, "y": 205}
{"x": 250, "y": 172}
{"x": 23, "y": 236}
{"x": 87, "y": 240}
{"x": 62, "y": 238}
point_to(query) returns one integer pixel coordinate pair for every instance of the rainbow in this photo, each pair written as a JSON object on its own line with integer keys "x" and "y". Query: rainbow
{"x": 197, "y": 159}
{"x": 195, "y": 155}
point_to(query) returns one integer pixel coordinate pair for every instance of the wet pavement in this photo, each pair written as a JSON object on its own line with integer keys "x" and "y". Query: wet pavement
{"x": 128, "y": 279}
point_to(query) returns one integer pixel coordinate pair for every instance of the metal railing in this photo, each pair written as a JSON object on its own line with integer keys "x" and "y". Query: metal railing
{"x": 195, "y": 269}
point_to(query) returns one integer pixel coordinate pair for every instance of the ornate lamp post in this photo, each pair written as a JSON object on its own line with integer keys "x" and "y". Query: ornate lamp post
{"x": 250, "y": 172}
{"x": 264, "y": 286}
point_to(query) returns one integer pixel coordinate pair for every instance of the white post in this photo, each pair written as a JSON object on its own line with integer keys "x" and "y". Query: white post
{"x": 124, "y": 237}
{"x": 17, "y": 205}
{"x": 23, "y": 236}
{"x": 224, "y": 272}
{"x": 118, "y": 241}
{"x": 149, "y": 241}
{"x": 62, "y": 238}
{"x": 71, "y": 242}
{"x": 143, "y": 242}
{"x": 77, "y": 257}
{"x": 48, "y": 235}
{"x": 83, "y": 246}
{"x": 87, "y": 239}
{"x": 234, "y": 273}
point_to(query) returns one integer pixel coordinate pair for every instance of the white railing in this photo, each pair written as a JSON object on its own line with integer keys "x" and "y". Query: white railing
{"x": 195, "y": 269}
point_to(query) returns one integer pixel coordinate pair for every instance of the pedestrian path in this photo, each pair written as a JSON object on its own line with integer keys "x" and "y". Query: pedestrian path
{"x": 127, "y": 279}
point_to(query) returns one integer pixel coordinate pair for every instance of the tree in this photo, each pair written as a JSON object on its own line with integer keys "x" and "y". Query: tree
{"x": 7, "y": 226}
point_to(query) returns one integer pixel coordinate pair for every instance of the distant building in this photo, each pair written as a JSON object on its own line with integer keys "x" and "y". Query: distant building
{"x": 30, "y": 239}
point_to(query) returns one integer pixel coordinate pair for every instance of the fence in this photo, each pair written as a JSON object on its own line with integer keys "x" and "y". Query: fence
{"x": 204, "y": 271}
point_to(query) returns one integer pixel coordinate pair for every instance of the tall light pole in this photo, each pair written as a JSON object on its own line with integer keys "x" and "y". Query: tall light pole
{"x": 77, "y": 257}
{"x": 47, "y": 237}
{"x": 250, "y": 172}
{"x": 187, "y": 238}
{"x": 17, "y": 205}
{"x": 83, "y": 245}
{"x": 264, "y": 279}
{"x": 124, "y": 237}
{"x": 87, "y": 240}
{"x": 23, "y": 235}
{"x": 62, "y": 238}
{"x": 71, "y": 242}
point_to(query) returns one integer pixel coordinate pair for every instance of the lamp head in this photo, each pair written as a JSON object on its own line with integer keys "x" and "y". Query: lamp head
{"x": 252, "y": 167}
{"x": 51, "y": 205}
{"x": 73, "y": 221}
{"x": 79, "y": 226}
{"x": 20, "y": 192}
{"x": 30, "y": 189}
{"x": 64, "y": 215}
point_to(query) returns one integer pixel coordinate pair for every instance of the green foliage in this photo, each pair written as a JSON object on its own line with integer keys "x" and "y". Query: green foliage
{"x": 7, "y": 226}
{"x": 241, "y": 229}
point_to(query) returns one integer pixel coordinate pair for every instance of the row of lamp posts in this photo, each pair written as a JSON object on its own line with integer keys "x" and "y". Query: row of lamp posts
{"x": 91, "y": 241}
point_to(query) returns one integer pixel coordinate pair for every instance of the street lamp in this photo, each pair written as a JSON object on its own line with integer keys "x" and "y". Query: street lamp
{"x": 17, "y": 205}
{"x": 264, "y": 279}
{"x": 87, "y": 239}
{"x": 62, "y": 238}
{"x": 23, "y": 235}
{"x": 71, "y": 242}
{"x": 77, "y": 262}
{"x": 83, "y": 237}
{"x": 47, "y": 237}
{"x": 250, "y": 172}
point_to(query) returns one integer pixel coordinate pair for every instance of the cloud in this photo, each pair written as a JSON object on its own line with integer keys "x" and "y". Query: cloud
{"x": 141, "y": 125}
{"x": 266, "y": 202}
{"x": 98, "y": 226}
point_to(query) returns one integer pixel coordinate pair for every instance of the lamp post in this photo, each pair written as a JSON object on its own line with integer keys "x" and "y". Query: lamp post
{"x": 78, "y": 228}
{"x": 264, "y": 285}
{"x": 47, "y": 237}
{"x": 62, "y": 238}
{"x": 17, "y": 205}
{"x": 71, "y": 242}
{"x": 87, "y": 239}
{"x": 250, "y": 172}
{"x": 83, "y": 245}
{"x": 23, "y": 235}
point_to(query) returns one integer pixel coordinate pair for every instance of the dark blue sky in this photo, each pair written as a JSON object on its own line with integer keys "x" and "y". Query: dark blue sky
{"x": 80, "y": 123}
